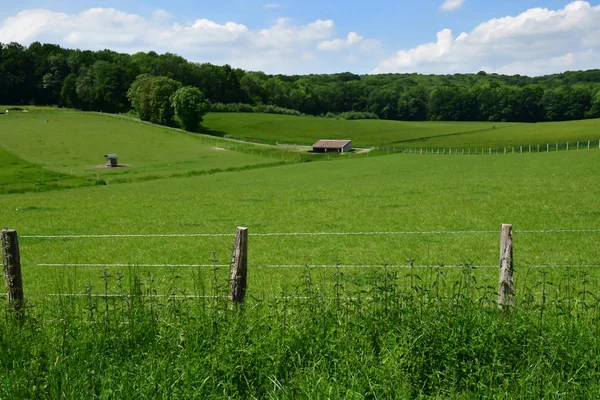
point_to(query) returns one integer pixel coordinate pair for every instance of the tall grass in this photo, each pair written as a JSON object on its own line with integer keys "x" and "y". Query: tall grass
{"x": 388, "y": 340}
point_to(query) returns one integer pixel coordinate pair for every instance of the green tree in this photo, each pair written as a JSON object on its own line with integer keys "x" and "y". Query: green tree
{"x": 190, "y": 106}
{"x": 160, "y": 100}
{"x": 140, "y": 96}
{"x": 594, "y": 111}
{"x": 68, "y": 92}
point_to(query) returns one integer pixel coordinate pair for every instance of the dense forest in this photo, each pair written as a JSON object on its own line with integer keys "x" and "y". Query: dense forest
{"x": 47, "y": 74}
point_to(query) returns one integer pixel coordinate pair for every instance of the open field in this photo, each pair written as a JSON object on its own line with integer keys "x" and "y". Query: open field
{"x": 332, "y": 310}
{"x": 17, "y": 175}
{"x": 74, "y": 143}
{"x": 383, "y": 194}
{"x": 270, "y": 128}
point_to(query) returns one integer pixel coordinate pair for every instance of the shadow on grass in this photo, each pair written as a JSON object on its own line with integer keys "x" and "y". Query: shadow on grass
{"x": 211, "y": 132}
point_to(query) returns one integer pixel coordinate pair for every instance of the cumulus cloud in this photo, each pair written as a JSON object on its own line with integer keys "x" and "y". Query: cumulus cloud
{"x": 338, "y": 44}
{"x": 352, "y": 41}
{"x": 537, "y": 41}
{"x": 276, "y": 48}
{"x": 451, "y": 5}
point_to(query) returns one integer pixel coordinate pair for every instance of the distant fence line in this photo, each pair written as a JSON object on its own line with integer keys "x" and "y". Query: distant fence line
{"x": 524, "y": 149}
{"x": 11, "y": 260}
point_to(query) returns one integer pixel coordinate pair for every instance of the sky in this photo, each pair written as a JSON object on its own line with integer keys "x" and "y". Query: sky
{"x": 526, "y": 37}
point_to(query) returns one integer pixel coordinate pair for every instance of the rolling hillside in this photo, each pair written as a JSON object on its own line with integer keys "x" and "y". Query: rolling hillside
{"x": 269, "y": 128}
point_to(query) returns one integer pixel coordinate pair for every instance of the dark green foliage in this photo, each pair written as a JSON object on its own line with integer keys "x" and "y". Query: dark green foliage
{"x": 190, "y": 105}
{"x": 247, "y": 108}
{"x": 150, "y": 97}
{"x": 48, "y": 74}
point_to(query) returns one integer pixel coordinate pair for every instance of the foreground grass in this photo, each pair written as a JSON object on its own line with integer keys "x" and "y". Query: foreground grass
{"x": 270, "y": 128}
{"x": 387, "y": 341}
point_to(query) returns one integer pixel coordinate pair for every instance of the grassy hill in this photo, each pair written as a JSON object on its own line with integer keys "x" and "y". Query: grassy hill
{"x": 17, "y": 175}
{"x": 270, "y": 128}
{"x": 74, "y": 143}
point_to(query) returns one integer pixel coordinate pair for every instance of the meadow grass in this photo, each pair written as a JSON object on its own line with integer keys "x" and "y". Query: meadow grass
{"x": 389, "y": 341}
{"x": 395, "y": 193}
{"x": 75, "y": 143}
{"x": 419, "y": 322}
{"x": 520, "y": 134}
{"x": 17, "y": 175}
{"x": 271, "y": 128}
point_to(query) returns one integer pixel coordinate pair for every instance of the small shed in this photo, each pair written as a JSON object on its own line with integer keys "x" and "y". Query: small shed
{"x": 111, "y": 160}
{"x": 328, "y": 146}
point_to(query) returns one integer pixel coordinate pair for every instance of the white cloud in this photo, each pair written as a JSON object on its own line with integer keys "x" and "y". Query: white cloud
{"x": 282, "y": 47}
{"x": 352, "y": 41}
{"x": 161, "y": 15}
{"x": 338, "y": 44}
{"x": 537, "y": 41}
{"x": 271, "y": 5}
{"x": 451, "y": 5}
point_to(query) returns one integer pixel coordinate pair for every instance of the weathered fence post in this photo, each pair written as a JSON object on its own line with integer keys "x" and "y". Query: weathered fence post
{"x": 239, "y": 265}
{"x": 11, "y": 261}
{"x": 506, "y": 286}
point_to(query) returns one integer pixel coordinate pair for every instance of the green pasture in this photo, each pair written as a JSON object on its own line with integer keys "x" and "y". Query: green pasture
{"x": 396, "y": 193}
{"x": 74, "y": 143}
{"x": 270, "y": 128}
{"x": 17, "y": 175}
{"x": 520, "y": 134}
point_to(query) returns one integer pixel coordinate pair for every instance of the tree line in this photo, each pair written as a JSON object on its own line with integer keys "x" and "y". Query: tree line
{"x": 47, "y": 74}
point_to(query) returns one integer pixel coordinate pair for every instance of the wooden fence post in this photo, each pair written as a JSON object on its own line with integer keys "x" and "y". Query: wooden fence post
{"x": 239, "y": 265}
{"x": 506, "y": 285}
{"x": 11, "y": 261}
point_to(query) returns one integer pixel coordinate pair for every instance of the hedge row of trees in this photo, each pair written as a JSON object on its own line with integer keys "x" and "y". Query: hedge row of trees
{"x": 51, "y": 75}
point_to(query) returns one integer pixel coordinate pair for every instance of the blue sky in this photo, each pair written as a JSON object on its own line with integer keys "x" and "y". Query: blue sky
{"x": 530, "y": 37}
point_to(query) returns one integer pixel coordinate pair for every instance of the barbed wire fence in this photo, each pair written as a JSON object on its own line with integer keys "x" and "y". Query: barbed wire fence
{"x": 12, "y": 263}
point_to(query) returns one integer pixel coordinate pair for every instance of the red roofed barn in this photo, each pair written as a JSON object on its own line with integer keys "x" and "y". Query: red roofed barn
{"x": 329, "y": 146}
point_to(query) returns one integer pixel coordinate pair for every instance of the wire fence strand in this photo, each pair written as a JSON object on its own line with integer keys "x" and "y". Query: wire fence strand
{"x": 274, "y": 234}
{"x": 312, "y": 266}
